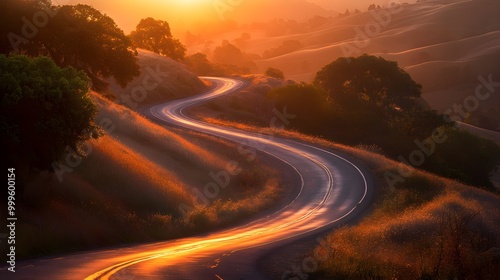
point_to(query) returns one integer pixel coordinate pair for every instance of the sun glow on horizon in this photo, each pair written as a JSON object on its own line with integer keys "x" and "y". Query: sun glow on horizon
{"x": 191, "y": 2}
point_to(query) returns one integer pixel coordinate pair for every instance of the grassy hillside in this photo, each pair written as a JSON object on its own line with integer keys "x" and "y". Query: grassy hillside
{"x": 249, "y": 106}
{"x": 131, "y": 186}
{"x": 445, "y": 45}
{"x": 427, "y": 227}
{"x": 161, "y": 79}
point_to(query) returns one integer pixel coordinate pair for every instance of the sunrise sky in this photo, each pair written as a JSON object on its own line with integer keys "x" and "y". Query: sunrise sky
{"x": 184, "y": 14}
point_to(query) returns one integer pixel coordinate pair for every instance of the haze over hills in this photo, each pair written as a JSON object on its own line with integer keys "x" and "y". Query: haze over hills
{"x": 170, "y": 80}
{"x": 273, "y": 159}
{"x": 187, "y": 17}
{"x": 444, "y": 45}
{"x": 262, "y": 10}
{"x": 130, "y": 185}
{"x": 341, "y": 6}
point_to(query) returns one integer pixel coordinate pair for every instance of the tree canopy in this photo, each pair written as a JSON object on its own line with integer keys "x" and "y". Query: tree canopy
{"x": 374, "y": 95}
{"x": 369, "y": 80}
{"x": 44, "y": 110}
{"x": 228, "y": 53}
{"x": 370, "y": 101}
{"x": 275, "y": 73}
{"x": 304, "y": 100}
{"x": 154, "y": 35}
{"x": 199, "y": 64}
{"x": 78, "y": 36}
{"x": 231, "y": 56}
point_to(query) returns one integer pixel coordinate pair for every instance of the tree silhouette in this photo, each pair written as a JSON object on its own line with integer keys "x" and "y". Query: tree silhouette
{"x": 12, "y": 13}
{"x": 371, "y": 81}
{"x": 306, "y": 101}
{"x": 229, "y": 55}
{"x": 368, "y": 100}
{"x": 155, "y": 35}
{"x": 375, "y": 101}
{"x": 44, "y": 110}
{"x": 78, "y": 36}
{"x": 275, "y": 73}
{"x": 198, "y": 63}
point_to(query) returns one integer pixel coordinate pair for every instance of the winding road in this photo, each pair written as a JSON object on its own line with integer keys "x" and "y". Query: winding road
{"x": 331, "y": 189}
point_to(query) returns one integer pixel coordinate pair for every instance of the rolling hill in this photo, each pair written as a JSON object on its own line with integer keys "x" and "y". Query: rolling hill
{"x": 161, "y": 79}
{"x": 445, "y": 45}
{"x": 134, "y": 179}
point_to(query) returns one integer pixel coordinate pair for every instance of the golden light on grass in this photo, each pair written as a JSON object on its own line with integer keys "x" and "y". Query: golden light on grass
{"x": 426, "y": 226}
{"x": 132, "y": 124}
{"x": 149, "y": 173}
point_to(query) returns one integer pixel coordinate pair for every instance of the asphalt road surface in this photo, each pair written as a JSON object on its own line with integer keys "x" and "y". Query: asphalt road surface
{"x": 330, "y": 189}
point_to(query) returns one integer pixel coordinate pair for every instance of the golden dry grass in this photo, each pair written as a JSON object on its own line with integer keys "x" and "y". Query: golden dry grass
{"x": 428, "y": 227}
{"x": 444, "y": 237}
{"x": 167, "y": 79}
{"x": 130, "y": 186}
{"x": 227, "y": 211}
{"x": 131, "y": 124}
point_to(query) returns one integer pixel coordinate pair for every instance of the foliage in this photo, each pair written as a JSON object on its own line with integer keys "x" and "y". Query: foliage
{"x": 44, "y": 110}
{"x": 11, "y": 14}
{"x": 304, "y": 100}
{"x": 99, "y": 204}
{"x": 466, "y": 157}
{"x": 428, "y": 228}
{"x": 233, "y": 58}
{"x": 371, "y": 101}
{"x": 155, "y": 35}
{"x": 78, "y": 36}
{"x": 377, "y": 101}
{"x": 275, "y": 73}
{"x": 227, "y": 53}
{"x": 369, "y": 80}
{"x": 198, "y": 63}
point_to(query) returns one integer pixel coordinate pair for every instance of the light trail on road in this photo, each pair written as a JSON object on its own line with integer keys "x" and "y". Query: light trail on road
{"x": 331, "y": 190}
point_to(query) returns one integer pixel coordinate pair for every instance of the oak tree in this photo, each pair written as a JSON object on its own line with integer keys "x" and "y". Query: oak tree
{"x": 46, "y": 111}
{"x": 369, "y": 80}
{"x": 154, "y": 35}
{"x": 78, "y": 36}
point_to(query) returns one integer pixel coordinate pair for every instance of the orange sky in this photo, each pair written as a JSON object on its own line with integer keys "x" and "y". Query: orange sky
{"x": 184, "y": 14}
{"x": 127, "y": 13}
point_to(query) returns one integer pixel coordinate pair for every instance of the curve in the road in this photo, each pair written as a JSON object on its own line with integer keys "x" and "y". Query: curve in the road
{"x": 306, "y": 217}
{"x": 332, "y": 189}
